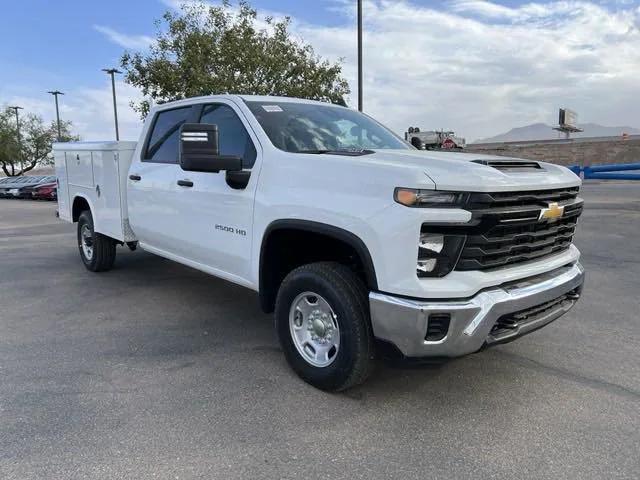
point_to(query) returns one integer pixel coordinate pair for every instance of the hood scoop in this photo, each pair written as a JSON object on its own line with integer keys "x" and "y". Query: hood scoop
{"x": 511, "y": 165}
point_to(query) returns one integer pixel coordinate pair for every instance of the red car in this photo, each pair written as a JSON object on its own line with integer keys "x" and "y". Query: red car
{"x": 46, "y": 191}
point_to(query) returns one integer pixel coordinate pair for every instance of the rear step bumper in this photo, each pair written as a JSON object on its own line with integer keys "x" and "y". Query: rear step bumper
{"x": 496, "y": 315}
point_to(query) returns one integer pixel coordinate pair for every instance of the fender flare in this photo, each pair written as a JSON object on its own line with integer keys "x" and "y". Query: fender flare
{"x": 324, "y": 229}
{"x": 89, "y": 202}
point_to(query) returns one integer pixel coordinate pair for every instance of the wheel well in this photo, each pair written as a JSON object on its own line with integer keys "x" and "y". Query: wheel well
{"x": 79, "y": 205}
{"x": 290, "y": 244}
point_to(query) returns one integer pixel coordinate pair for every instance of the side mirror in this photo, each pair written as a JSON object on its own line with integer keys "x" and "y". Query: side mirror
{"x": 199, "y": 150}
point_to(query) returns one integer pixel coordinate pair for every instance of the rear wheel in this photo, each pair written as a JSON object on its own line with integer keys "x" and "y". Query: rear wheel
{"x": 322, "y": 319}
{"x": 98, "y": 252}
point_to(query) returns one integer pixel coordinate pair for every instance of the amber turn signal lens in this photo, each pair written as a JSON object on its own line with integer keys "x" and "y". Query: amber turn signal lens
{"x": 406, "y": 197}
{"x": 411, "y": 197}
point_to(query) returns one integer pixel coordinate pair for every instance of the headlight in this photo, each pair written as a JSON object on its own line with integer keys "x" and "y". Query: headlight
{"x": 437, "y": 253}
{"x": 411, "y": 197}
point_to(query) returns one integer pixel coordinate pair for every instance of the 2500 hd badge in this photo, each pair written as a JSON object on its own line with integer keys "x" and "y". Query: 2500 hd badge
{"x": 226, "y": 228}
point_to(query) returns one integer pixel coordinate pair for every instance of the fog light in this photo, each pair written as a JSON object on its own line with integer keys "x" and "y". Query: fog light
{"x": 432, "y": 242}
{"x": 438, "y": 327}
{"x": 437, "y": 253}
{"x": 427, "y": 265}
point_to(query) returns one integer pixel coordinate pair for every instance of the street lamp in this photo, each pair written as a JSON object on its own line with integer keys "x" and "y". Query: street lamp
{"x": 55, "y": 93}
{"x": 360, "y": 55}
{"x": 112, "y": 72}
{"x": 16, "y": 108}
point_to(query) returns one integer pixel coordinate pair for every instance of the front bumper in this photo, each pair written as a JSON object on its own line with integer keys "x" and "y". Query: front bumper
{"x": 524, "y": 305}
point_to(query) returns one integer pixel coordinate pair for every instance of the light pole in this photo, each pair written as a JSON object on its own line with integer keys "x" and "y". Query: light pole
{"x": 55, "y": 93}
{"x": 112, "y": 72}
{"x": 360, "y": 55}
{"x": 16, "y": 108}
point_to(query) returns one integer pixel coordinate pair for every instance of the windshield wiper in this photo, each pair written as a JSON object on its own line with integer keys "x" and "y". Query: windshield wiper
{"x": 351, "y": 152}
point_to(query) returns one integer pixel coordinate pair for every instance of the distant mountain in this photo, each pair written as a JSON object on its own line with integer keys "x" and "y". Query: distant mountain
{"x": 542, "y": 131}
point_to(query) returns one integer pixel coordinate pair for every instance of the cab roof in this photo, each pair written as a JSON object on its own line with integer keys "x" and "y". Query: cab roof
{"x": 247, "y": 98}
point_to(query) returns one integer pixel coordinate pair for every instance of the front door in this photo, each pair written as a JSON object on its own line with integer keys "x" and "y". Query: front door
{"x": 215, "y": 215}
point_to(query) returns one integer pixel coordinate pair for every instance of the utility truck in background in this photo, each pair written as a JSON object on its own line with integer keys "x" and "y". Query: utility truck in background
{"x": 434, "y": 139}
{"x": 358, "y": 242}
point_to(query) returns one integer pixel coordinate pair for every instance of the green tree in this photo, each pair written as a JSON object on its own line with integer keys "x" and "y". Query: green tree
{"x": 204, "y": 50}
{"x": 34, "y": 146}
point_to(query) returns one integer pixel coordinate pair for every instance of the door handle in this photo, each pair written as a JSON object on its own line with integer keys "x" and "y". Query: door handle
{"x": 185, "y": 183}
{"x": 135, "y": 178}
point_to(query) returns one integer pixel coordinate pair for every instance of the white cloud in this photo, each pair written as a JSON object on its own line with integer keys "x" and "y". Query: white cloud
{"x": 474, "y": 66}
{"x": 90, "y": 110}
{"x": 481, "y": 68}
{"x": 484, "y": 9}
{"x": 134, "y": 42}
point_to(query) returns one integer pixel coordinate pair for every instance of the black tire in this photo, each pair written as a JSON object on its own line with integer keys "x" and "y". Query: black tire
{"x": 104, "y": 248}
{"x": 348, "y": 298}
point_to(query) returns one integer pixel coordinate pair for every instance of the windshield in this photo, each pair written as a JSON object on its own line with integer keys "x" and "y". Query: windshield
{"x": 313, "y": 128}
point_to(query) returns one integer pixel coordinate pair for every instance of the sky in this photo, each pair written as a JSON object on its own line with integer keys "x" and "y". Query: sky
{"x": 474, "y": 66}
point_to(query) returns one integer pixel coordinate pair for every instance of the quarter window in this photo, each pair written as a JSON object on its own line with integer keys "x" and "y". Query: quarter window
{"x": 163, "y": 142}
{"x": 233, "y": 138}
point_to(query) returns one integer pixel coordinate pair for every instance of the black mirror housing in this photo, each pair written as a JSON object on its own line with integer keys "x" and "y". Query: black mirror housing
{"x": 199, "y": 151}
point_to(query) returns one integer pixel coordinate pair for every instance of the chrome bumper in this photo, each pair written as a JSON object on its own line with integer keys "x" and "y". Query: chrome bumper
{"x": 404, "y": 322}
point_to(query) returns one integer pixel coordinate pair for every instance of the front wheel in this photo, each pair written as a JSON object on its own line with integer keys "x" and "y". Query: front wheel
{"x": 322, "y": 320}
{"x": 98, "y": 252}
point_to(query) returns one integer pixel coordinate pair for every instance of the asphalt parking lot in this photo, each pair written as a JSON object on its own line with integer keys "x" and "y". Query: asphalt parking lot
{"x": 154, "y": 370}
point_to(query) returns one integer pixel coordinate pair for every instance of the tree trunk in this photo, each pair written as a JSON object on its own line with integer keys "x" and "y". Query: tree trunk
{"x": 11, "y": 170}
{"x": 31, "y": 166}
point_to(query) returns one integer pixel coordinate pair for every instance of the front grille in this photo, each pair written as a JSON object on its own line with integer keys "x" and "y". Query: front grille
{"x": 506, "y": 228}
{"x": 509, "y": 199}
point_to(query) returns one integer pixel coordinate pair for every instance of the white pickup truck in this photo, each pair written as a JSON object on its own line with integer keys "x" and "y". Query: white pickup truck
{"x": 358, "y": 242}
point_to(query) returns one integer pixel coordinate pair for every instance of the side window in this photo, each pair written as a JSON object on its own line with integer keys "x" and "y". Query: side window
{"x": 233, "y": 138}
{"x": 163, "y": 142}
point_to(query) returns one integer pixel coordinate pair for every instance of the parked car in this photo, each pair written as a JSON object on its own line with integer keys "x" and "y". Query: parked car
{"x": 46, "y": 191}
{"x": 9, "y": 188}
{"x": 354, "y": 238}
{"x": 21, "y": 187}
{"x": 27, "y": 190}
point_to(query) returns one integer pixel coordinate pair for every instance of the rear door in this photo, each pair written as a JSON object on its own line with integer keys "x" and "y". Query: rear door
{"x": 214, "y": 214}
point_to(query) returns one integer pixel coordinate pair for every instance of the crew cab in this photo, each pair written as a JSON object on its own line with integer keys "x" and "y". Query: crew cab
{"x": 358, "y": 242}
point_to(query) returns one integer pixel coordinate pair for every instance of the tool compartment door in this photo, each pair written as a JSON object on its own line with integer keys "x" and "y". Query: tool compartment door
{"x": 107, "y": 194}
{"x": 79, "y": 169}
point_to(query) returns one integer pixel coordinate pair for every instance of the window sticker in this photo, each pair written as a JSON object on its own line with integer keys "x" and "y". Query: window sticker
{"x": 272, "y": 108}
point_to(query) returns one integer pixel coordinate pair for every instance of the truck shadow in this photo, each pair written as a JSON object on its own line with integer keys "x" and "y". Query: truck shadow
{"x": 195, "y": 319}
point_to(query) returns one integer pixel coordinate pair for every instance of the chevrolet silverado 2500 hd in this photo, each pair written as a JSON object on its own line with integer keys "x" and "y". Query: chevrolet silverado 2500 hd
{"x": 351, "y": 236}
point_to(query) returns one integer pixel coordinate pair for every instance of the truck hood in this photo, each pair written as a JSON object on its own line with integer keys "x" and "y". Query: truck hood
{"x": 462, "y": 172}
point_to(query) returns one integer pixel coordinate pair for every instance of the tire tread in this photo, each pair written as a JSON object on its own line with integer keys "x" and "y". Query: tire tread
{"x": 104, "y": 248}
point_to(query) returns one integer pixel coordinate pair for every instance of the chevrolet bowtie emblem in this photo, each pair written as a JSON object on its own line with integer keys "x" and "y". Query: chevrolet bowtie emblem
{"x": 552, "y": 213}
